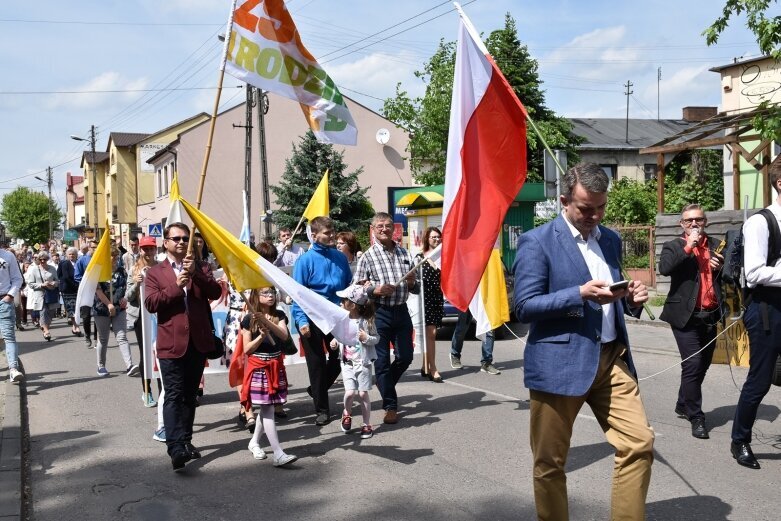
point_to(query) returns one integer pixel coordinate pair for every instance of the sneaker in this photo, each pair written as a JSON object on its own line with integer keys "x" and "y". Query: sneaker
{"x": 283, "y": 460}
{"x": 88, "y": 342}
{"x": 322, "y": 419}
{"x": 347, "y": 422}
{"x": 455, "y": 362}
{"x": 148, "y": 400}
{"x": 102, "y": 371}
{"x": 15, "y": 375}
{"x": 366, "y": 432}
{"x": 133, "y": 370}
{"x": 490, "y": 369}
{"x": 159, "y": 435}
{"x": 257, "y": 452}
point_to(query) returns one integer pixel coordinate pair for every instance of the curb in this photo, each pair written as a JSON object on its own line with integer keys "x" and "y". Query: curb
{"x": 11, "y": 451}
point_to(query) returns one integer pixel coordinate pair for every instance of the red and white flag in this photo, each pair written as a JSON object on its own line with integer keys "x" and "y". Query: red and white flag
{"x": 486, "y": 165}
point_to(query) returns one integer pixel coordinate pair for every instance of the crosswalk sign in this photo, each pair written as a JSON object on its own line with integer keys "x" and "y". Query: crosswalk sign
{"x": 156, "y": 230}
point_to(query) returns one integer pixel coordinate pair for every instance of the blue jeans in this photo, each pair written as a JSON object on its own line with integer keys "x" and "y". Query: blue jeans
{"x": 765, "y": 348}
{"x": 464, "y": 319}
{"x": 393, "y": 325}
{"x": 7, "y": 325}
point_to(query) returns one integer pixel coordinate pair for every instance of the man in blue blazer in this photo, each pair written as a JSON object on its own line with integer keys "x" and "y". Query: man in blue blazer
{"x": 577, "y": 351}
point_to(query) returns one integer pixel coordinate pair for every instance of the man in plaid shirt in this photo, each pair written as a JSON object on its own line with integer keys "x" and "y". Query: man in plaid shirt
{"x": 385, "y": 266}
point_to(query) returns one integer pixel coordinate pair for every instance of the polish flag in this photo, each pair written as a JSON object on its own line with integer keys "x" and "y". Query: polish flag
{"x": 486, "y": 166}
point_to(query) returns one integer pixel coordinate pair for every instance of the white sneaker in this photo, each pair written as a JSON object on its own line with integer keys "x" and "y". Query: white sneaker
{"x": 283, "y": 460}
{"x": 257, "y": 452}
{"x": 15, "y": 375}
{"x": 133, "y": 370}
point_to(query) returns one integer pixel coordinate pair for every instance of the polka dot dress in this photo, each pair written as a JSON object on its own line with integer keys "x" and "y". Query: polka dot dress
{"x": 432, "y": 296}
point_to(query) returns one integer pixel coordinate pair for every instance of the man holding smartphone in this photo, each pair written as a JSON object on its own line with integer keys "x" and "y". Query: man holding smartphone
{"x": 693, "y": 308}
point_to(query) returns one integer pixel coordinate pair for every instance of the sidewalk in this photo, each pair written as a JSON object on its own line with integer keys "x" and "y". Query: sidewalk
{"x": 11, "y": 446}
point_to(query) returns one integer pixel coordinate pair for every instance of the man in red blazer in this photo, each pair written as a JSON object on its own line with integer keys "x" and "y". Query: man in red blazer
{"x": 178, "y": 290}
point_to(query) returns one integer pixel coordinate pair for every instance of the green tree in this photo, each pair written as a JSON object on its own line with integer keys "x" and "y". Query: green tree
{"x": 767, "y": 31}
{"x": 630, "y": 203}
{"x": 26, "y": 214}
{"x": 428, "y": 117}
{"x": 350, "y": 209}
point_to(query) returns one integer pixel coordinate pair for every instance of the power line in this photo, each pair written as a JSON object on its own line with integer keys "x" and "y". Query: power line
{"x": 107, "y": 91}
{"x": 81, "y": 22}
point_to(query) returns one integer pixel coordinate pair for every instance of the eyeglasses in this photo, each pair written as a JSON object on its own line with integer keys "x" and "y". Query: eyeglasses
{"x": 698, "y": 220}
{"x": 183, "y": 238}
{"x": 267, "y": 293}
{"x": 435, "y": 238}
{"x": 383, "y": 226}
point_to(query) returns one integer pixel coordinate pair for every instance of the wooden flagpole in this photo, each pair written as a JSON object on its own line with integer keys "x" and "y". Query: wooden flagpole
{"x": 213, "y": 122}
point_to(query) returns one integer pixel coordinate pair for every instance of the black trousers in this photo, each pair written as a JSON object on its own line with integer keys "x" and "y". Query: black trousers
{"x": 691, "y": 339}
{"x": 765, "y": 349}
{"x": 85, "y": 313}
{"x": 181, "y": 377}
{"x": 322, "y": 372}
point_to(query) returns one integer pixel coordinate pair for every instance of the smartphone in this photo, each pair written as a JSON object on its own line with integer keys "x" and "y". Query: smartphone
{"x": 621, "y": 284}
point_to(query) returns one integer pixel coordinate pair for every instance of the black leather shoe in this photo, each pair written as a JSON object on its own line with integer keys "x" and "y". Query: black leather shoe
{"x": 699, "y": 430}
{"x": 742, "y": 453}
{"x": 190, "y": 448}
{"x": 680, "y": 411}
{"x": 179, "y": 458}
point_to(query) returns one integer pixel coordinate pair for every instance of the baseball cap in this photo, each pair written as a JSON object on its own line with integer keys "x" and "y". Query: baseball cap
{"x": 147, "y": 241}
{"x": 354, "y": 293}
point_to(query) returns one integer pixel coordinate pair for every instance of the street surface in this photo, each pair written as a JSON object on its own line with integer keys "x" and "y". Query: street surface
{"x": 459, "y": 452}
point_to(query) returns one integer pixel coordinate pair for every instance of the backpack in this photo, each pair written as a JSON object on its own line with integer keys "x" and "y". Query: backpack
{"x": 733, "y": 272}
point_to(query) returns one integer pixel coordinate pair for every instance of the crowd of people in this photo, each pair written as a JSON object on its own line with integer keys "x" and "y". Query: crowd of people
{"x": 577, "y": 350}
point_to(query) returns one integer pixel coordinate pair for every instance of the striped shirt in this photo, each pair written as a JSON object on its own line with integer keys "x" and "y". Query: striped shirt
{"x": 381, "y": 266}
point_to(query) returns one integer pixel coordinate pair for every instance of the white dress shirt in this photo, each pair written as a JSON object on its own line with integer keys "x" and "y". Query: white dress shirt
{"x": 599, "y": 270}
{"x": 755, "y": 242}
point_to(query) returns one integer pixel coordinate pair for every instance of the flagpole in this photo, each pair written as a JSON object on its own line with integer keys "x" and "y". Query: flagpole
{"x": 213, "y": 122}
{"x": 419, "y": 264}
{"x": 298, "y": 226}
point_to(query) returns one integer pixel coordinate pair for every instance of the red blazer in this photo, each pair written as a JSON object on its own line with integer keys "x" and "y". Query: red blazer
{"x": 177, "y": 324}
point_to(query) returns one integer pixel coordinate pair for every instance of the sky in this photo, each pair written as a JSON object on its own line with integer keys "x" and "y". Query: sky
{"x": 142, "y": 65}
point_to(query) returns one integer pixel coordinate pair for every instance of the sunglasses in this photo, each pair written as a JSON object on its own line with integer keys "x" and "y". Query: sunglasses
{"x": 183, "y": 238}
{"x": 698, "y": 220}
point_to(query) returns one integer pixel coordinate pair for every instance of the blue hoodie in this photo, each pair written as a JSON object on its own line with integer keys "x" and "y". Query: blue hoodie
{"x": 324, "y": 270}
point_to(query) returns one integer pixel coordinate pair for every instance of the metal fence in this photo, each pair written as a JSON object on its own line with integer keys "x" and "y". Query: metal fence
{"x": 638, "y": 252}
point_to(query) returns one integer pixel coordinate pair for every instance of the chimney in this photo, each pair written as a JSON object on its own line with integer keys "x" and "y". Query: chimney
{"x": 693, "y": 114}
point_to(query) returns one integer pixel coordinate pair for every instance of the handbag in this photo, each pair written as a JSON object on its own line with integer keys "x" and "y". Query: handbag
{"x": 51, "y": 296}
{"x": 219, "y": 345}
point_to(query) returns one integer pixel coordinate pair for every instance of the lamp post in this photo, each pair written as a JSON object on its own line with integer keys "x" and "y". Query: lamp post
{"x": 91, "y": 141}
{"x": 48, "y": 181}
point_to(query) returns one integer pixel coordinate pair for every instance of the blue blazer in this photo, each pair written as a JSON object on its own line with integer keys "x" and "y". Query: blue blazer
{"x": 562, "y": 350}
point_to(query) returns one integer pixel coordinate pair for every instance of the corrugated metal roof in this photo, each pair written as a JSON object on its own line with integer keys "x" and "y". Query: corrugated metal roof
{"x": 610, "y": 133}
{"x": 99, "y": 157}
{"x": 126, "y": 139}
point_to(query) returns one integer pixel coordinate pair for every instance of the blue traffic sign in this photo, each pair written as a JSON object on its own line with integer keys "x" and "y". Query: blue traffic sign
{"x": 156, "y": 230}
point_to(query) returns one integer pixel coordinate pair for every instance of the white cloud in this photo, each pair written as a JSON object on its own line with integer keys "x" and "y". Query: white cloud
{"x": 377, "y": 75}
{"x": 93, "y": 95}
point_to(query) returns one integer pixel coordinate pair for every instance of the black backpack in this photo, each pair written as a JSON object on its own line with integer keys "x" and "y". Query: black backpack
{"x": 733, "y": 253}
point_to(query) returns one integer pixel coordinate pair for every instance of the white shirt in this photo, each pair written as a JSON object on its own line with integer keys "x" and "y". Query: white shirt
{"x": 755, "y": 242}
{"x": 599, "y": 270}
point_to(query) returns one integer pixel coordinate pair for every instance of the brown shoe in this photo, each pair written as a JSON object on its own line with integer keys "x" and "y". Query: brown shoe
{"x": 390, "y": 417}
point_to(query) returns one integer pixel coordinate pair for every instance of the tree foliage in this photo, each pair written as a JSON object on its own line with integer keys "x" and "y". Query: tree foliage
{"x": 350, "y": 209}
{"x": 694, "y": 177}
{"x": 26, "y": 214}
{"x": 428, "y": 117}
{"x": 767, "y": 31}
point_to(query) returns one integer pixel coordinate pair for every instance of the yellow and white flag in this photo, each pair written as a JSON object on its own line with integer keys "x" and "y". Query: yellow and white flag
{"x": 318, "y": 205}
{"x": 246, "y": 269}
{"x": 98, "y": 270}
{"x": 175, "y": 212}
{"x": 265, "y": 50}
{"x": 489, "y": 306}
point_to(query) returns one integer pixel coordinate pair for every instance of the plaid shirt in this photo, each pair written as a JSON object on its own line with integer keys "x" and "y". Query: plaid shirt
{"x": 381, "y": 266}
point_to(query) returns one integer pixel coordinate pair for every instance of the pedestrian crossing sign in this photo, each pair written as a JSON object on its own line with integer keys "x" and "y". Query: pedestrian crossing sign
{"x": 156, "y": 230}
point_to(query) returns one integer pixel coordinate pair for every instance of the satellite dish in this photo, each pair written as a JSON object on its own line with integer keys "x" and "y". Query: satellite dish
{"x": 382, "y": 136}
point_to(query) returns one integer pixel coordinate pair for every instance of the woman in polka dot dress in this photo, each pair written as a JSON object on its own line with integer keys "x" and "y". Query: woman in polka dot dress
{"x": 432, "y": 303}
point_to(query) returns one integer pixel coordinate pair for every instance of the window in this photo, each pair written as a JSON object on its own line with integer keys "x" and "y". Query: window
{"x": 166, "y": 184}
{"x": 649, "y": 169}
{"x": 610, "y": 170}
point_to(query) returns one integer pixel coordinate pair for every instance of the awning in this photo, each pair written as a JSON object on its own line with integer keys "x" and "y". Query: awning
{"x": 420, "y": 199}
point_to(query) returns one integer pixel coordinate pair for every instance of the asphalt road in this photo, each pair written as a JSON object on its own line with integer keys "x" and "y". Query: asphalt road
{"x": 459, "y": 452}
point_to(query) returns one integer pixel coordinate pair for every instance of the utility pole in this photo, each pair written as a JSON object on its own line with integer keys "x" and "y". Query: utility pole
{"x": 262, "y": 111}
{"x": 49, "y": 181}
{"x": 91, "y": 140}
{"x": 658, "y": 82}
{"x": 628, "y": 92}
{"x": 248, "y": 146}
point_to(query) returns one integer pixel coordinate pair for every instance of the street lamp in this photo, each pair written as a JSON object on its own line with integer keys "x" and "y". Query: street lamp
{"x": 48, "y": 181}
{"x": 91, "y": 141}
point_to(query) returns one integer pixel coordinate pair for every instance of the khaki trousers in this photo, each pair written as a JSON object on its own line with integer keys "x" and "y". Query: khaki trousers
{"x": 614, "y": 398}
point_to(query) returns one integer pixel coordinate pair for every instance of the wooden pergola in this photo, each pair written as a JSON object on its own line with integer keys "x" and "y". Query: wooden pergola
{"x": 730, "y": 130}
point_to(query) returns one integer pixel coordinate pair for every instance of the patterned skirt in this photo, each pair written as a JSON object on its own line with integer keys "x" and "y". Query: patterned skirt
{"x": 260, "y": 392}
{"x": 69, "y": 301}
